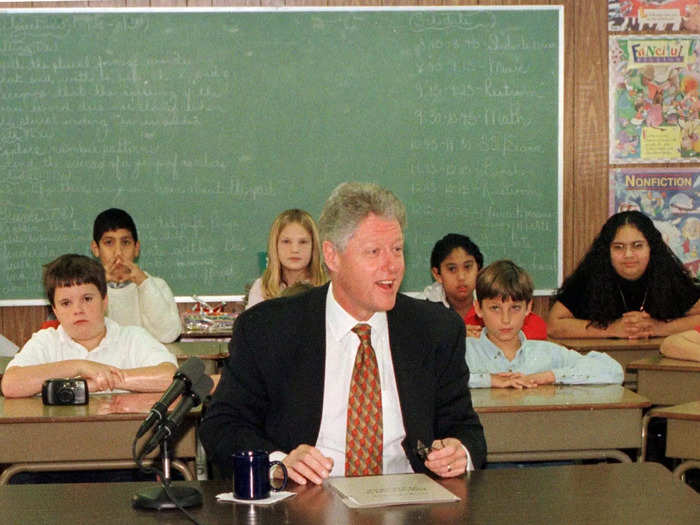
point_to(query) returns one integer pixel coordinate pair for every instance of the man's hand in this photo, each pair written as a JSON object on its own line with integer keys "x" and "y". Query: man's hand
{"x": 512, "y": 380}
{"x": 307, "y": 463}
{"x": 448, "y": 458}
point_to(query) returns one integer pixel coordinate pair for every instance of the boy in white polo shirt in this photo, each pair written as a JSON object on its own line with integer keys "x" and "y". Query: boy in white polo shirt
{"x": 135, "y": 297}
{"x": 86, "y": 344}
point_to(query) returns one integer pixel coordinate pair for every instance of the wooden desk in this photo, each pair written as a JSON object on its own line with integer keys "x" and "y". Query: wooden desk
{"x": 3, "y": 363}
{"x": 95, "y": 436}
{"x": 667, "y": 381}
{"x": 211, "y": 352}
{"x": 624, "y": 351}
{"x": 559, "y": 422}
{"x": 608, "y": 494}
{"x": 195, "y": 335}
{"x": 682, "y": 434}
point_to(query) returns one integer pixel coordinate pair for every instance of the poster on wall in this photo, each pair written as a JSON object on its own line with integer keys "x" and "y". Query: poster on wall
{"x": 670, "y": 197}
{"x": 653, "y": 15}
{"x": 654, "y": 99}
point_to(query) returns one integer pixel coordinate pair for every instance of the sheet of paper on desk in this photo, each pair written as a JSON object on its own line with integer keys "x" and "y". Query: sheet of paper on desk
{"x": 395, "y": 489}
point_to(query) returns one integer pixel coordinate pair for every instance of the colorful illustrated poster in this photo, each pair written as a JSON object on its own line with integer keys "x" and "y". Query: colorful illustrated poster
{"x": 653, "y": 15}
{"x": 671, "y": 198}
{"x": 654, "y": 99}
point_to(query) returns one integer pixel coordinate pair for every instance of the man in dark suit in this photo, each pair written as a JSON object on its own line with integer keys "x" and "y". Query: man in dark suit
{"x": 285, "y": 385}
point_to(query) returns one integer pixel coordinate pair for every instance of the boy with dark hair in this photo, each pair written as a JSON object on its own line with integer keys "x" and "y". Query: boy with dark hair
{"x": 135, "y": 297}
{"x": 85, "y": 344}
{"x": 504, "y": 357}
{"x": 454, "y": 263}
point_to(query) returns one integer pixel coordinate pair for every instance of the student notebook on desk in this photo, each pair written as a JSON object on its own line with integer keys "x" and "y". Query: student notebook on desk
{"x": 395, "y": 489}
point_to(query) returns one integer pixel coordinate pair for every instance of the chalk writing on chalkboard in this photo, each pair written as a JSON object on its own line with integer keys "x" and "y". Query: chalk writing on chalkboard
{"x": 205, "y": 125}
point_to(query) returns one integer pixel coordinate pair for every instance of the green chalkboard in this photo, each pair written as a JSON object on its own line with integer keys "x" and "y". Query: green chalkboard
{"x": 204, "y": 125}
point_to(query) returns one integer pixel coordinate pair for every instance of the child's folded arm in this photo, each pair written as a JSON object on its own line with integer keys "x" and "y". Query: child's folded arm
{"x": 592, "y": 368}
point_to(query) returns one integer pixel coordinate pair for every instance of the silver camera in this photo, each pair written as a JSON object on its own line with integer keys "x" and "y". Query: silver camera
{"x": 65, "y": 392}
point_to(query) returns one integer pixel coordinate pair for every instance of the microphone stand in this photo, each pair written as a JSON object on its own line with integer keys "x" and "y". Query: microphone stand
{"x": 168, "y": 496}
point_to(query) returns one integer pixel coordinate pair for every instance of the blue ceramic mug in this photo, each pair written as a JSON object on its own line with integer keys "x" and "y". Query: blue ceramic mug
{"x": 251, "y": 474}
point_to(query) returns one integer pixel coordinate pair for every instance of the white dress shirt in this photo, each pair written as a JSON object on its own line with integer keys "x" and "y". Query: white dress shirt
{"x": 341, "y": 349}
{"x": 122, "y": 346}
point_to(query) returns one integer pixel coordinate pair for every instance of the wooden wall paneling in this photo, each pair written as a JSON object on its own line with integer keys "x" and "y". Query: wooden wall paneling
{"x": 366, "y": 3}
{"x": 238, "y": 3}
{"x": 569, "y": 132}
{"x": 168, "y": 3}
{"x": 107, "y": 3}
{"x": 243, "y": 3}
{"x": 459, "y": 2}
{"x": 589, "y": 178}
{"x": 307, "y": 3}
{"x": 20, "y": 322}
{"x": 54, "y": 5}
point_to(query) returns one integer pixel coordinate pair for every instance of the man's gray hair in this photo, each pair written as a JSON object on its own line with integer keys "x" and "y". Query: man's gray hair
{"x": 350, "y": 203}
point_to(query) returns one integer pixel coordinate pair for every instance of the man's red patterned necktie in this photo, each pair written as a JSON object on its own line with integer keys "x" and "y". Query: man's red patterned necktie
{"x": 364, "y": 439}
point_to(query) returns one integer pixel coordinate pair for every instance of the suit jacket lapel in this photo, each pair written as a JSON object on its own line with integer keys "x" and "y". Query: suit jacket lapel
{"x": 405, "y": 348}
{"x": 407, "y": 356}
{"x": 313, "y": 348}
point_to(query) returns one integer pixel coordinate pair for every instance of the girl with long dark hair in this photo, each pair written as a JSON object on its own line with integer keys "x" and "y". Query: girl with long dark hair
{"x": 629, "y": 285}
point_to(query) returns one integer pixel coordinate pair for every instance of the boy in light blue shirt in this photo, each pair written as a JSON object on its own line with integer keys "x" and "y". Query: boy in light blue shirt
{"x": 503, "y": 357}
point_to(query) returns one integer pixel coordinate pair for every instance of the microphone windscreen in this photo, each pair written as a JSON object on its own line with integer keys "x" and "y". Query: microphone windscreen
{"x": 192, "y": 368}
{"x": 201, "y": 387}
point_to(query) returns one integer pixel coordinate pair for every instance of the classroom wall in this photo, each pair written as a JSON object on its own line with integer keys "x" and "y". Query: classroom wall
{"x": 585, "y": 122}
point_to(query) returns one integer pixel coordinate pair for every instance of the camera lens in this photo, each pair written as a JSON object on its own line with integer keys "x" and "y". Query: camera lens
{"x": 65, "y": 395}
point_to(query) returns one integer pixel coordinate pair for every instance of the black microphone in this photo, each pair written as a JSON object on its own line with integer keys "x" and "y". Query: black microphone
{"x": 190, "y": 371}
{"x": 200, "y": 389}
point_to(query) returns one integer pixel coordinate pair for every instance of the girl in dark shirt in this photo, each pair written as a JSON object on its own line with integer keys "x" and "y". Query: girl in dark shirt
{"x": 628, "y": 285}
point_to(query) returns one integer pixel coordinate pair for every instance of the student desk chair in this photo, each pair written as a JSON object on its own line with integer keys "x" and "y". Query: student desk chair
{"x": 682, "y": 434}
{"x": 667, "y": 381}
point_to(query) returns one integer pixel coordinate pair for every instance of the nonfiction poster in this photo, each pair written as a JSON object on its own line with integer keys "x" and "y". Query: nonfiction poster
{"x": 670, "y": 197}
{"x": 653, "y": 15}
{"x": 654, "y": 99}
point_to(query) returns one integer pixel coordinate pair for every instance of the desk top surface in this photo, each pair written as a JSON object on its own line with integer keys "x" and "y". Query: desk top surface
{"x": 605, "y": 344}
{"x": 689, "y": 411}
{"x": 640, "y": 493}
{"x": 664, "y": 363}
{"x": 3, "y": 364}
{"x": 202, "y": 349}
{"x": 100, "y": 407}
{"x": 224, "y": 335}
{"x": 556, "y": 397}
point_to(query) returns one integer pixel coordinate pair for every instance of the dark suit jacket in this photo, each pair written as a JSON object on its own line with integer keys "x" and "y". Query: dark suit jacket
{"x": 270, "y": 395}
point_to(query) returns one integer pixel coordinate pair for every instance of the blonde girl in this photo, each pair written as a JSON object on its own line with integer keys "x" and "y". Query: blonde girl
{"x": 294, "y": 255}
